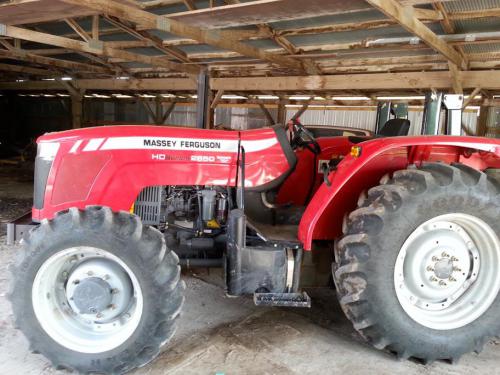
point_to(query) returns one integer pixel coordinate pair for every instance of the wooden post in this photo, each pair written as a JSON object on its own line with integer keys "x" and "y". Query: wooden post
{"x": 77, "y": 111}
{"x": 210, "y": 111}
{"x": 158, "y": 111}
{"x": 203, "y": 93}
{"x": 281, "y": 113}
{"x": 484, "y": 116}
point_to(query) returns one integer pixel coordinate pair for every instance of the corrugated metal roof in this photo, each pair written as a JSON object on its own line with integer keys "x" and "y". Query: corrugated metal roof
{"x": 468, "y": 5}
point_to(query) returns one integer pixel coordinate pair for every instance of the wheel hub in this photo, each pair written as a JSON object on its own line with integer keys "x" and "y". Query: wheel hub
{"x": 87, "y": 299}
{"x": 98, "y": 287}
{"x": 92, "y": 296}
{"x": 440, "y": 268}
{"x": 443, "y": 268}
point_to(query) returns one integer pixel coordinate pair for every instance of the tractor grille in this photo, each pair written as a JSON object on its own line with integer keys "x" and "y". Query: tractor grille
{"x": 148, "y": 204}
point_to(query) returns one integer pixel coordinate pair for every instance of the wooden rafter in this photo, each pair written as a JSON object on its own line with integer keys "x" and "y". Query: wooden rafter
{"x": 221, "y": 39}
{"x": 23, "y": 55}
{"x": 150, "y": 40}
{"x": 78, "y": 29}
{"x": 103, "y": 50}
{"x": 189, "y": 4}
{"x": 24, "y": 69}
{"x": 309, "y": 65}
{"x": 405, "y": 16}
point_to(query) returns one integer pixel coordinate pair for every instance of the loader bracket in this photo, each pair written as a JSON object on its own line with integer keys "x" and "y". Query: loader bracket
{"x": 17, "y": 228}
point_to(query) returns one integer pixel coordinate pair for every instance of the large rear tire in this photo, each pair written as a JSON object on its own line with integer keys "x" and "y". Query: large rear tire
{"x": 417, "y": 271}
{"x": 96, "y": 291}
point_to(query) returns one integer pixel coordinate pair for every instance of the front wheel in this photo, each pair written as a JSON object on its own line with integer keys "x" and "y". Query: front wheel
{"x": 96, "y": 291}
{"x": 417, "y": 271}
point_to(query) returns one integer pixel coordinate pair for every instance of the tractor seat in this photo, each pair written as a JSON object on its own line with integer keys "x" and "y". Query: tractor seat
{"x": 393, "y": 128}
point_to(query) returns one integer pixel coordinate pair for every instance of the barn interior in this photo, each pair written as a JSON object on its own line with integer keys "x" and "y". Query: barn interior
{"x": 238, "y": 65}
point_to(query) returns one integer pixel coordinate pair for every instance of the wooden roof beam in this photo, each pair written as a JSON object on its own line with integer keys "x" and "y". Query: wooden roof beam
{"x": 150, "y": 39}
{"x": 24, "y": 55}
{"x": 309, "y": 65}
{"x": 391, "y": 82}
{"x": 405, "y": 16}
{"x": 95, "y": 48}
{"x": 217, "y": 38}
{"x": 77, "y": 29}
{"x": 25, "y": 69}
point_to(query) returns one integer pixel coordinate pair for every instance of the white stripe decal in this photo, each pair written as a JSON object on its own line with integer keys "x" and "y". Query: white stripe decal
{"x": 259, "y": 145}
{"x": 185, "y": 144}
{"x": 75, "y": 147}
{"x": 93, "y": 144}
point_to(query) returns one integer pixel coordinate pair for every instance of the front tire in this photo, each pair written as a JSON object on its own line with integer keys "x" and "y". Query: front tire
{"x": 417, "y": 271}
{"x": 96, "y": 291}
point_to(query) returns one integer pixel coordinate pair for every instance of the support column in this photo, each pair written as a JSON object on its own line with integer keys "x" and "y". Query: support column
{"x": 202, "y": 99}
{"x": 281, "y": 113}
{"x": 483, "y": 120}
{"x": 158, "y": 111}
{"x": 76, "y": 111}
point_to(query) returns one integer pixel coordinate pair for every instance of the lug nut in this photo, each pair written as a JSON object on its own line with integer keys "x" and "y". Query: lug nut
{"x": 445, "y": 255}
{"x": 452, "y": 279}
{"x": 454, "y": 259}
{"x": 114, "y": 291}
{"x": 112, "y": 306}
{"x": 442, "y": 283}
{"x": 435, "y": 259}
{"x": 430, "y": 269}
{"x": 432, "y": 278}
{"x": 98, "y": 316}
{"x": 65, "y": 274}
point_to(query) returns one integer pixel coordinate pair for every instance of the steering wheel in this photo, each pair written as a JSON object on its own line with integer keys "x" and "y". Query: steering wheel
{"x": 303, "y": 138}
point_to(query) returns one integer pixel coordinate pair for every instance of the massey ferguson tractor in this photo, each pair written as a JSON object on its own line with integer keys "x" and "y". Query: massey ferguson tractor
{"x": 413, "y": 221}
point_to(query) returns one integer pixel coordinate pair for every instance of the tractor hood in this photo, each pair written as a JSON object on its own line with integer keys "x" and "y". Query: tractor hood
{"x": 111, "y": 165}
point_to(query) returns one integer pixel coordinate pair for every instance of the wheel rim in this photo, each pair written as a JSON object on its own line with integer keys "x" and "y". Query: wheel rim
{"x": 446, "y": 274}
{"x": 87, "y": 299}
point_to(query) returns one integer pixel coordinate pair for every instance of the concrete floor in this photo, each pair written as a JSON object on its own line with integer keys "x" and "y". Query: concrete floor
{"x": 220, "y": 335}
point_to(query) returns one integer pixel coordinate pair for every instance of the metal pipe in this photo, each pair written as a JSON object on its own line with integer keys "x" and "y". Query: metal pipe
{"x": 469, "y": 37}
{"x": 196, "y": 262}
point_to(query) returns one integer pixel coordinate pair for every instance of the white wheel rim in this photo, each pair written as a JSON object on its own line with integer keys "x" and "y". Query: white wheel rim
{"x": 55, "y": 285}
{"x": 446, "y": 274}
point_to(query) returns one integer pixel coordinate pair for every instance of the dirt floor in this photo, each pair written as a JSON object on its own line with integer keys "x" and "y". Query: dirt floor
{"x": 221, "y": 335}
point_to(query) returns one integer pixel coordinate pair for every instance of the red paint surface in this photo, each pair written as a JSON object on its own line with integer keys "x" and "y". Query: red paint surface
{"x": 115, "y": 177}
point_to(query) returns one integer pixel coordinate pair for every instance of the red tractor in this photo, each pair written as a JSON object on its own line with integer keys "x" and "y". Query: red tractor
{"x": 413, "y": 220}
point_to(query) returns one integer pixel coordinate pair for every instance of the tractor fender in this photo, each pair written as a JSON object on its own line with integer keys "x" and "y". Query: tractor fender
{"x": 363, "y": 169}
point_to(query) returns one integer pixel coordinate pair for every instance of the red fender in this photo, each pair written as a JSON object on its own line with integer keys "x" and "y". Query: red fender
{"x": 323, "y": 217}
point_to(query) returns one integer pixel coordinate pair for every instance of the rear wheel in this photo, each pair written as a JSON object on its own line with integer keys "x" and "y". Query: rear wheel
{"x": 96, "y": 291}
{"x": 417, "y": 271}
